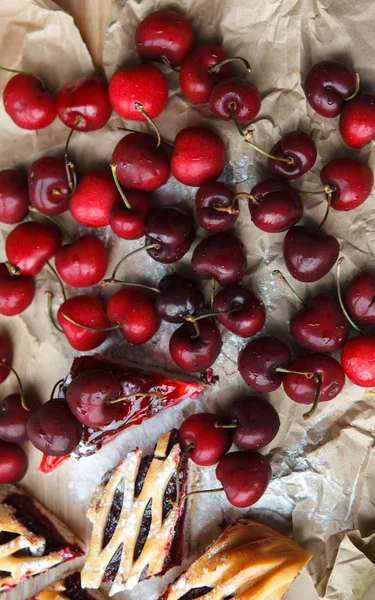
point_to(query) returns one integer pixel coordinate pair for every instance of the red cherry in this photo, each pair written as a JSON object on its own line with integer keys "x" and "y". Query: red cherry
{"x": 28, "y": 102}
{"x": 6, "y": 357}
{"x": 172, "y": 230}
{"x": 94, "y": 198}
{"x": 16, "y": 292}
{"x": 85, "y": 310}
{"x": 248, "y": 314}
{"x": 48, "y": 185}
{"x": 221, "y": 257}
{"x": 13, "y": 463}
{"x": 139, "y": 84}
{"x": 14, "y": 418}
{"x": 164, "y": 34}
{"x": 198, "y": 156}
{"x": 86, "y": 97}
{"x": 134, "y": 309}
{"x": 258, "y": 361}
{"x": 327, "y": 86}
{"x": 351, "y": 179}
{"x": 244, "y": 477}
{"x": 216, "y": 208}
{"x": 243, "y": 97}
{"x": 14, "y": 201}
{"x": 30, "y": 245}
{"x": 88, "y": 397}
{"x": 53, "y": 429}
{"x": 360, "y": 298}
{"x": 256, "y": 420}
{"x": 196, "y": 80}
{"x": 309, "y": 256}
{"x": 83, "y": 262}
{"x": 130, "y": 224}
{"x": 357, "y": 121}
{"x": 274, "y": 206}
{"x": 208, "y": 444}
{"x": 358, "y": 360}
{"x": 192, "y": 352}
{"x": 302, "y": 389}
{"x": 301, "y": 148}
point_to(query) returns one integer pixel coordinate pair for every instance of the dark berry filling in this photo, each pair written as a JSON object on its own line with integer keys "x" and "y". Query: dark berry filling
{"x": 73, "y": 587}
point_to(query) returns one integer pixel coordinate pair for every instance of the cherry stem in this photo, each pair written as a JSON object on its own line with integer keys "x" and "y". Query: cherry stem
{"x": 120, "y": 190}
{"x": 319, "y": 378}
{"x": 13, "y": 270}
{"x": 54, "y": 388}
{"x": 50, "y": 312}
{"x": 306, "y": 374}
{"x": 117, "y": 326}
{"x": 193, "y": 319}
{"x": 213, "y": 290}
{"x": 18, "y": 72}
{"x": 356, "y": 89}
{"x": 51, "y": 219}
{"x": 213, "y": 69}
{"x": 213, "y": 491}
{"x": 136, "y": 395}
{"x": 137, "y": 131}
{"x": 238, "y": 196}
{"x": 22, "y": 394}
{"x": 341, "y": 302}
{"x": 105, "y": 282}
{"x": 279, "y": 275}
{"x": 230, "y": 426}
{"x": 58, "y": 278}
{"x": 143, "y": 112}
{"x": 169, "y": 64}
{"x": 183, "y": 456}
{"x": 69, "y": 166}
{"x": 113, "y": 276}
{"x": 231, "y": 209}
{"x": 328, "y": 190}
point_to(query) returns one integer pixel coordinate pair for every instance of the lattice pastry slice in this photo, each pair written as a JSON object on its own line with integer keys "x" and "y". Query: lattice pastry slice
{"x": 32, "y": 540}
{"x": 249, "y": 561}
{"x": 137, "y": 526}
{"x": 68, "y": 588}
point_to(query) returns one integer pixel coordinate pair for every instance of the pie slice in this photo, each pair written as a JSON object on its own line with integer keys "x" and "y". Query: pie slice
{"x": 68, "y": 588}
{"x": 160, "y": 392}
{"x": 249, "y": 561}
{"x": 137, "y": 523}
{"x": 32, "y": 540}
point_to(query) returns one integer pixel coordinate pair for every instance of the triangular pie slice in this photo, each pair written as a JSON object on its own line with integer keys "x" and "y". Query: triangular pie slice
{"x": 68, "y": 588}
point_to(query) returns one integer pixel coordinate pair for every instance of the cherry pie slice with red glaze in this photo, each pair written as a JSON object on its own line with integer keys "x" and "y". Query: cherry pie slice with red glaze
{"x": 68, "y": 588}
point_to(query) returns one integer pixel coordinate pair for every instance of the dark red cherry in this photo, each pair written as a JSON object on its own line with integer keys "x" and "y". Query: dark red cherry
{"x": 13, "y": 463}
{"x": 274, "y": 206}
{"x": 244, "y": 476}
{"x": 16, "y": 292}
{"x": 249, "y": 314}
{"x": 198, "y": 156}
{"x": 89, "y": 395}
{"x": 129, "y": 224}
{"x": 351, "y": 179}
{"x": 242, "y": 96}
{"x": 215, "y": 207}
{"x": 302, "y": 389}
{"x": 53, "y": 429}
{"x": 256, "y": 420}
{"x": 85, "y": 310}
{"x": 207, "y": 444}
{"x": 178, "y": 298}
{"x": 327, "y": 85}
{"x": 295, "y": 145}
{"x": 258, "y": 361}
{"x": 192, "y": 352}
{"x": 94, "y": 199}
{"x": 357, "y": 120}
{"x": 14, "y": 418}
{"x": 84, "y": 103}
{"x": 30, "y": 245}
{"x": 196, "y": 80}
{"x": 358, "y": 360}
{"x": 14, "y": 201}
{"x": 309, "y": 256}
{"x": 6, "y": 356}
{"x": 83, "y": 262}
{"x": 360, "y": 298}
{"x": 28, "y": 102}
{"x": 138, "y": 84}
{"x": 48, "y": 185}
{"x": 173, "y": 232}
{"x": 221, "y": 257}
{"x": 134, "y": 309}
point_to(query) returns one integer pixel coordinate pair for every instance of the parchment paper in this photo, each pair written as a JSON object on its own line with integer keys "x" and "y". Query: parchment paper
{"x": 323, "y": 470}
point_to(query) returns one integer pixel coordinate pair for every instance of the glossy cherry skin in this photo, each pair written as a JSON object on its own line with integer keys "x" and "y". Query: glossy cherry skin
{"x": 134, "y": 309}
{"x": 327, "y": 85}
{"x": 211, "y": 196}
{"x": 83, "y": 262}
{"x": 14, "y": 418}
{"x": 257, "y": 422}
{"x": 258, "y": 360}
{"x": 88, "y": 397}
{"x": 173, "y": 230}
{"x": 48, "y": 185}
{"x": 242, "y": 94}
{"x": 140, "y": 165}
{"x": 16, "y": 293}
{"x": 164, "y": 34}
{"x": 13, "y": 463}
{"x": 360, "y": 298}
{"x": 86, "y": 310}
{"x": 196, "y": 80}
{"x": 322, "y": 327}
{"x": 195, "y": 354}
{"x": 145, "y": 84}
{"x": 94, "y": 198}
{"x": 198, "y": 156}
{"x": 301, "y": 148}
{"x": 221, "y": 257}
{"x": 130, "y": 224}
{"x": 28, "y": 103}
{"x": 53, "y": 429}
{"x": 86, "y": 97}
{"x": 352, "y": 179}
{"x": 6, "y": 357}
{"x": 249, "y": 313}
{"x": 302, "y": 389}
{"x": 358, "y": 360}
{"x": 14, "y": 201}
{"x": 244, "y": 476}
{"x": 309, "y": 256}
{"x": 357, "y": 121}
{"x": 209, "y": 444}
{"x": 275, "y": 206}
{"x": 179, "y": 297}
{"x": 30, "y": 245}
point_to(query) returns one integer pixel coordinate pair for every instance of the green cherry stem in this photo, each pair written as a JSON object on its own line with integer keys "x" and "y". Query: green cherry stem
{"x": 18, "y": 72}
{"x": 58, "y": 278}
{"x": 22, "y": 394}
{"x": 111, "y": 328}
{"x": 229, "y": 426}
{"x": 54, "y": 388}
{"x": 213, "y": 69}
{"x": 137, "y": 131}
{"x": 113, "y": 276}
{"x": 50, "y": 312}
{"x": 328, "y": 190}
{"x": 341, "y": 302}
{"x": 143, "y": 112}
{"x": 183, "y": 456}
{"x": 213, "y": 491}
{"x": 306, "y": 374}
{"x": 279, "y": 275}
{"x": 34, "y": 210}
{"x": 105, "y": 282}
{"x": 120, "y": 190}
{"x": 69, "y": 166}
{"x": 319, "y": 378}
{"x": 194, "y": 320}
{"x": 356, "y": 90}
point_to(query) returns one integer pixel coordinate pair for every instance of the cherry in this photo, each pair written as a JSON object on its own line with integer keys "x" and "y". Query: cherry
{"x": 89, "y": 396}
{"x": 235, "y": 96}
{"x": 248, "y": 316}
{"x": 301, "y": 148}
{"x": 274, "y": 206}
{"x": 255, "y": 422}
{"x": 200, "y": 72}
{"x": 309, "y": 256}
{"x": 244, "y": 477}
{"x": 84, "y": 103}
{"x": 178, "y": 298}
{"x": 360, "y": 296}
{"x": 358, "y": 360}
{"x": 220, "y": 257}
{"x": 351, "y": 180}
{"x": 259, "y": 360}
{"x": 16, "y": 292}
{"x": 198, "y": 156}
{"x": 216, "y": 206}
{"x": 14, "y": 417}
{"x": 172, "y": 231}
{"x": 165, "y": 36}
{"x": 93, "y": 200}
{"x": 28, "y": 102}
{"x": 141, "y": 165}
{"x": 30, "y": 245}
{"x": 48, "y": 185}
{"x": 130, "y": 214}
{"x": 53, "y": 429}
{"x": 328, "y": 84}
{"x": 14, "y": 201}
{"x": 192, "y": 352}
{"x": 6, "y": 357}
{"x": 134, "y": 309}
{"x": 204, "y": 443}
{"x": 136, "y": 90}
{"x": 83, "y": 262}
{"x": 13, "y": 463}
{"x": 357, "y": 121}
{"x": 85, "y": 311}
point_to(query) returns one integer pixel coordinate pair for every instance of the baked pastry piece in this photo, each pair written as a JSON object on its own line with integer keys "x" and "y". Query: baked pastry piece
{"x": 137, "y": 524}
{"x": 68, "y": 588}
{"x": 249, "y": 561}
{"x": 32, "y": 540}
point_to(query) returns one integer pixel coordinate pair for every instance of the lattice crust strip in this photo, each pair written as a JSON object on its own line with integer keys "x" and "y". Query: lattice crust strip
{"x": 249, "y": 561}
{"x": 57, "y": 590}
{"x": 158, "y": 542}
